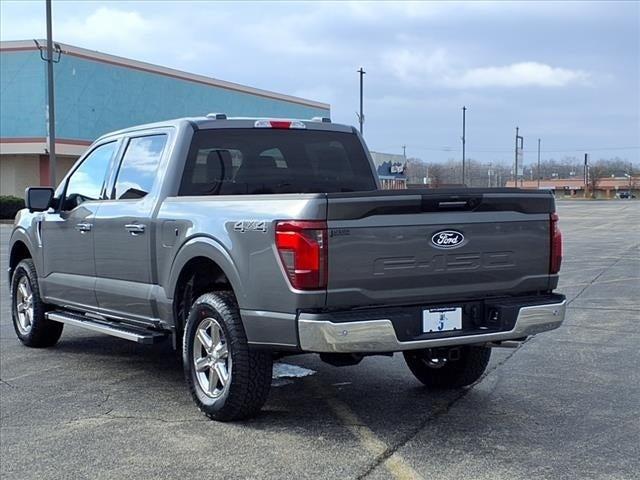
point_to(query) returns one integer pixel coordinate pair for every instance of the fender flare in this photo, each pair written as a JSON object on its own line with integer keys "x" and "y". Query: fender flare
{"x": 207, "y": 247}
{"x": 19, "y": 234}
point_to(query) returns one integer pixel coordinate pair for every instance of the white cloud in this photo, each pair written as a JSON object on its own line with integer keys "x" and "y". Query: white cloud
{"x": 522, "y": 74}
{"x": 381, "y": 11}
{"x": 439, "y": 68}
{"x": 417, "y": 67}
{"x": 119, "y": 28}
{"x": 289, "y": 36}
{"x": 424, "y": 60}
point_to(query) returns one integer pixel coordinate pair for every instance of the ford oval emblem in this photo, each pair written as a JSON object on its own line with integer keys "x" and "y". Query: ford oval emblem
{"x": 447, "y": 239}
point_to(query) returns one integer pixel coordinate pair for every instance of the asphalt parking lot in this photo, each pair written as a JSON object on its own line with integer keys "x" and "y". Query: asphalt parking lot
{"x": 566, "y": 404}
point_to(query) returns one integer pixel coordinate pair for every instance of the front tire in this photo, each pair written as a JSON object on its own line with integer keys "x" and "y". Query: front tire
{"x": 441, "y": 372}
{"x": 227, "y": 380}
{"x": 28, "y": 310}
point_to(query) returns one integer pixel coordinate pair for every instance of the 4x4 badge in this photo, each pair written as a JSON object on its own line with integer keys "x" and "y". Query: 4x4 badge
{"x": 250, "y": 226}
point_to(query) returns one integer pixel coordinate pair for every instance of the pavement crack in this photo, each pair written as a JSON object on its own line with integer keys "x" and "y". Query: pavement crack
{"x": 604, "y": 270}
{"x": 4, "y": 382}
{"x": 144, "y": 419}
{"x": 105, "y": 400}
{"x": 380, "y": 459}
{"x": 606, "y": 309}
{"x": 439, "y": 412}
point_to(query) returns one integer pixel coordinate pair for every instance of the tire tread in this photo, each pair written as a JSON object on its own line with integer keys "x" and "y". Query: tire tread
{"x": 44, "y": 333}
{"x": 251, "y": 370}
{"x": 455, "y": 374}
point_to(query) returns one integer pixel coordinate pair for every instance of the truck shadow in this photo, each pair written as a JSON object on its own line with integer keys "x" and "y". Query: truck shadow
{"x": 379, "y": 394}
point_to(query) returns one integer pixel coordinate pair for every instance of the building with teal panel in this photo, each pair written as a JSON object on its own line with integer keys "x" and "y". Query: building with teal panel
{"x": 96, "y": 93}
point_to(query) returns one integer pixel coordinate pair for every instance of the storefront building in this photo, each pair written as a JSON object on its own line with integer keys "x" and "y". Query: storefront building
{"x": 96, "y": 93}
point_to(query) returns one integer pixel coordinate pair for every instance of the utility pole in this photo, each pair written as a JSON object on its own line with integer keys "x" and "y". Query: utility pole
{"x": 404, "y": 152}
{"x": 51, "y": 116}
{"x": 518, "y": 154}
{"x": 464, "y": 121}
{"x": 489, "y": 172}
{"x": 361, "y": 114}
{"x": 538, "y": 164}
{"x": 586, "y": 168}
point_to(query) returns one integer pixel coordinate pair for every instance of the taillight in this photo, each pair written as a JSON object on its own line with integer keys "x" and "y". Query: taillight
{"x": 556, "y": 245}
{"x": 302, "y": 246}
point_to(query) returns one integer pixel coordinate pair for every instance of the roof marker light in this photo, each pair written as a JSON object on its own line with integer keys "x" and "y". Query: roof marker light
{"x": 321, "y": 119}
{"x": 284, "y": 124}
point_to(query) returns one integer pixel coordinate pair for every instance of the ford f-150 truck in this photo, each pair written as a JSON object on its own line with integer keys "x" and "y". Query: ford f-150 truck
{"x": 244, "y": 240}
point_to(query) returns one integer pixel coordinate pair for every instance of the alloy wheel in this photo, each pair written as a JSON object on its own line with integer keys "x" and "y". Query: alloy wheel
{"x": 24, "y": 305}
{"x": 211, "y": 359}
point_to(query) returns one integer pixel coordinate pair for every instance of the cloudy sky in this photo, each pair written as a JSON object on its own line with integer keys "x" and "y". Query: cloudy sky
{"x": 567, "y": 72}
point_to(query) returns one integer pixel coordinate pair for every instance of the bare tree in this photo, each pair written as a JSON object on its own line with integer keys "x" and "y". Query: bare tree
{"x": 497, "y": 172}
{"x": 596, "y": 172}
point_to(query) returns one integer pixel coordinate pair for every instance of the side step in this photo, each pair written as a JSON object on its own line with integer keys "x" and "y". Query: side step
{"x": 115, "y": 329}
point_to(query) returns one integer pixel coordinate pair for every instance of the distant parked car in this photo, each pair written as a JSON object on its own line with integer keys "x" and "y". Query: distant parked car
{"x": 625, "y": 195}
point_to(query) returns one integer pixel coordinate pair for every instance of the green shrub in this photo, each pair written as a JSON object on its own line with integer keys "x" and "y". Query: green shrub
{"x": 9, "y": 206}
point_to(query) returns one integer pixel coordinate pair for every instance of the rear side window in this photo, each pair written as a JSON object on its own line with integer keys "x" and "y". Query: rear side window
{"x": 139, "y": 167}
{"x": 264, "y": 161}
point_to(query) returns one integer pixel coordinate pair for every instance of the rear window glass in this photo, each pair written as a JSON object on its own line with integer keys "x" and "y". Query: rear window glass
{"x": 246, "y": 161}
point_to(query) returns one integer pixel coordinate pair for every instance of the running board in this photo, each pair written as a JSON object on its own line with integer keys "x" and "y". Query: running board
{"x": 115, "y": 329}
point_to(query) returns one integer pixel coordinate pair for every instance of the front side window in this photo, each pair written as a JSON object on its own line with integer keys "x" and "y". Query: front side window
{"x": 139, "y": 167}
{"x": 86, "y": 182}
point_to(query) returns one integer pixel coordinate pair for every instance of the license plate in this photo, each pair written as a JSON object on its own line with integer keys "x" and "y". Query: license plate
{"x": 441, "y": 319}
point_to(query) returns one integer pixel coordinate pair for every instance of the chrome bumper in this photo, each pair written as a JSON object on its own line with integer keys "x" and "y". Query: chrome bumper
{"x": 379, "y": 336}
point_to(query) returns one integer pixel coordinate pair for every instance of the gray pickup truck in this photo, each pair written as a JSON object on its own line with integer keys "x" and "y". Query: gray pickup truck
{"x": 244, "y": 240}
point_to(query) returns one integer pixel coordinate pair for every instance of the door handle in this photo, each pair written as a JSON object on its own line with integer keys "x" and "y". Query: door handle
{"x": 83, "y": 227}
{"x": 134, "y": 228}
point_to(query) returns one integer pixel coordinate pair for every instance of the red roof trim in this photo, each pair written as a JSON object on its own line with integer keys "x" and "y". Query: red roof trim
{"x": 65, "y": 141}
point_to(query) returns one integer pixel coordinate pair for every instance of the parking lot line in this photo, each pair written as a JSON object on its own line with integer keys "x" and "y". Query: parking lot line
{"x": 395, "y": 464}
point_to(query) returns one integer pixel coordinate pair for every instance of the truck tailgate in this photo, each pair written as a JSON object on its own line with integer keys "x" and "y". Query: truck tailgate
{"x": 403, "y": 247}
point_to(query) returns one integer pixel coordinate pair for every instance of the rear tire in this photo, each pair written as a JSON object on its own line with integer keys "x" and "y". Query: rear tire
{"x": 227, "y": 380}
{"x": 444, "y": 373}
{"x": 28, "y": 309}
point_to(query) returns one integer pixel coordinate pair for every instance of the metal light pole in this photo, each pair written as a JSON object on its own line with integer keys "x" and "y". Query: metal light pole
{"x": 464, "y": 121}
{"x": 515, "y": 167}
{"x": 361, "y": 114}
{"x": 586, "y": 175}
{"x": 51, "y": 116}
{"x": 538, "y": 164}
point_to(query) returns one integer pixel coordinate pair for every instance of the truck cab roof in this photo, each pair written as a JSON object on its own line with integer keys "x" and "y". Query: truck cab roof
{"x": 218, "y": 120}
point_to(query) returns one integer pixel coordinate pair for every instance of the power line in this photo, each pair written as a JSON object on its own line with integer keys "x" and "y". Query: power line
{"x": 449, "y": 149}
{"x": 563, "y": 150}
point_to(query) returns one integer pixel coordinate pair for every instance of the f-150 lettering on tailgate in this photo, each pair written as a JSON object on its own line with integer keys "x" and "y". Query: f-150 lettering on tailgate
{"x": 444, "y": 263}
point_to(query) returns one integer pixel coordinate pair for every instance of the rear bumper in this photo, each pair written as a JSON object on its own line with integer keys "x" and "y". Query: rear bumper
{"x": 317, "y": 333}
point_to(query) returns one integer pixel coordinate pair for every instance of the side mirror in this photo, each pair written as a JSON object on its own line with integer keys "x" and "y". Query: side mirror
{"x": 38, "y": 199}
